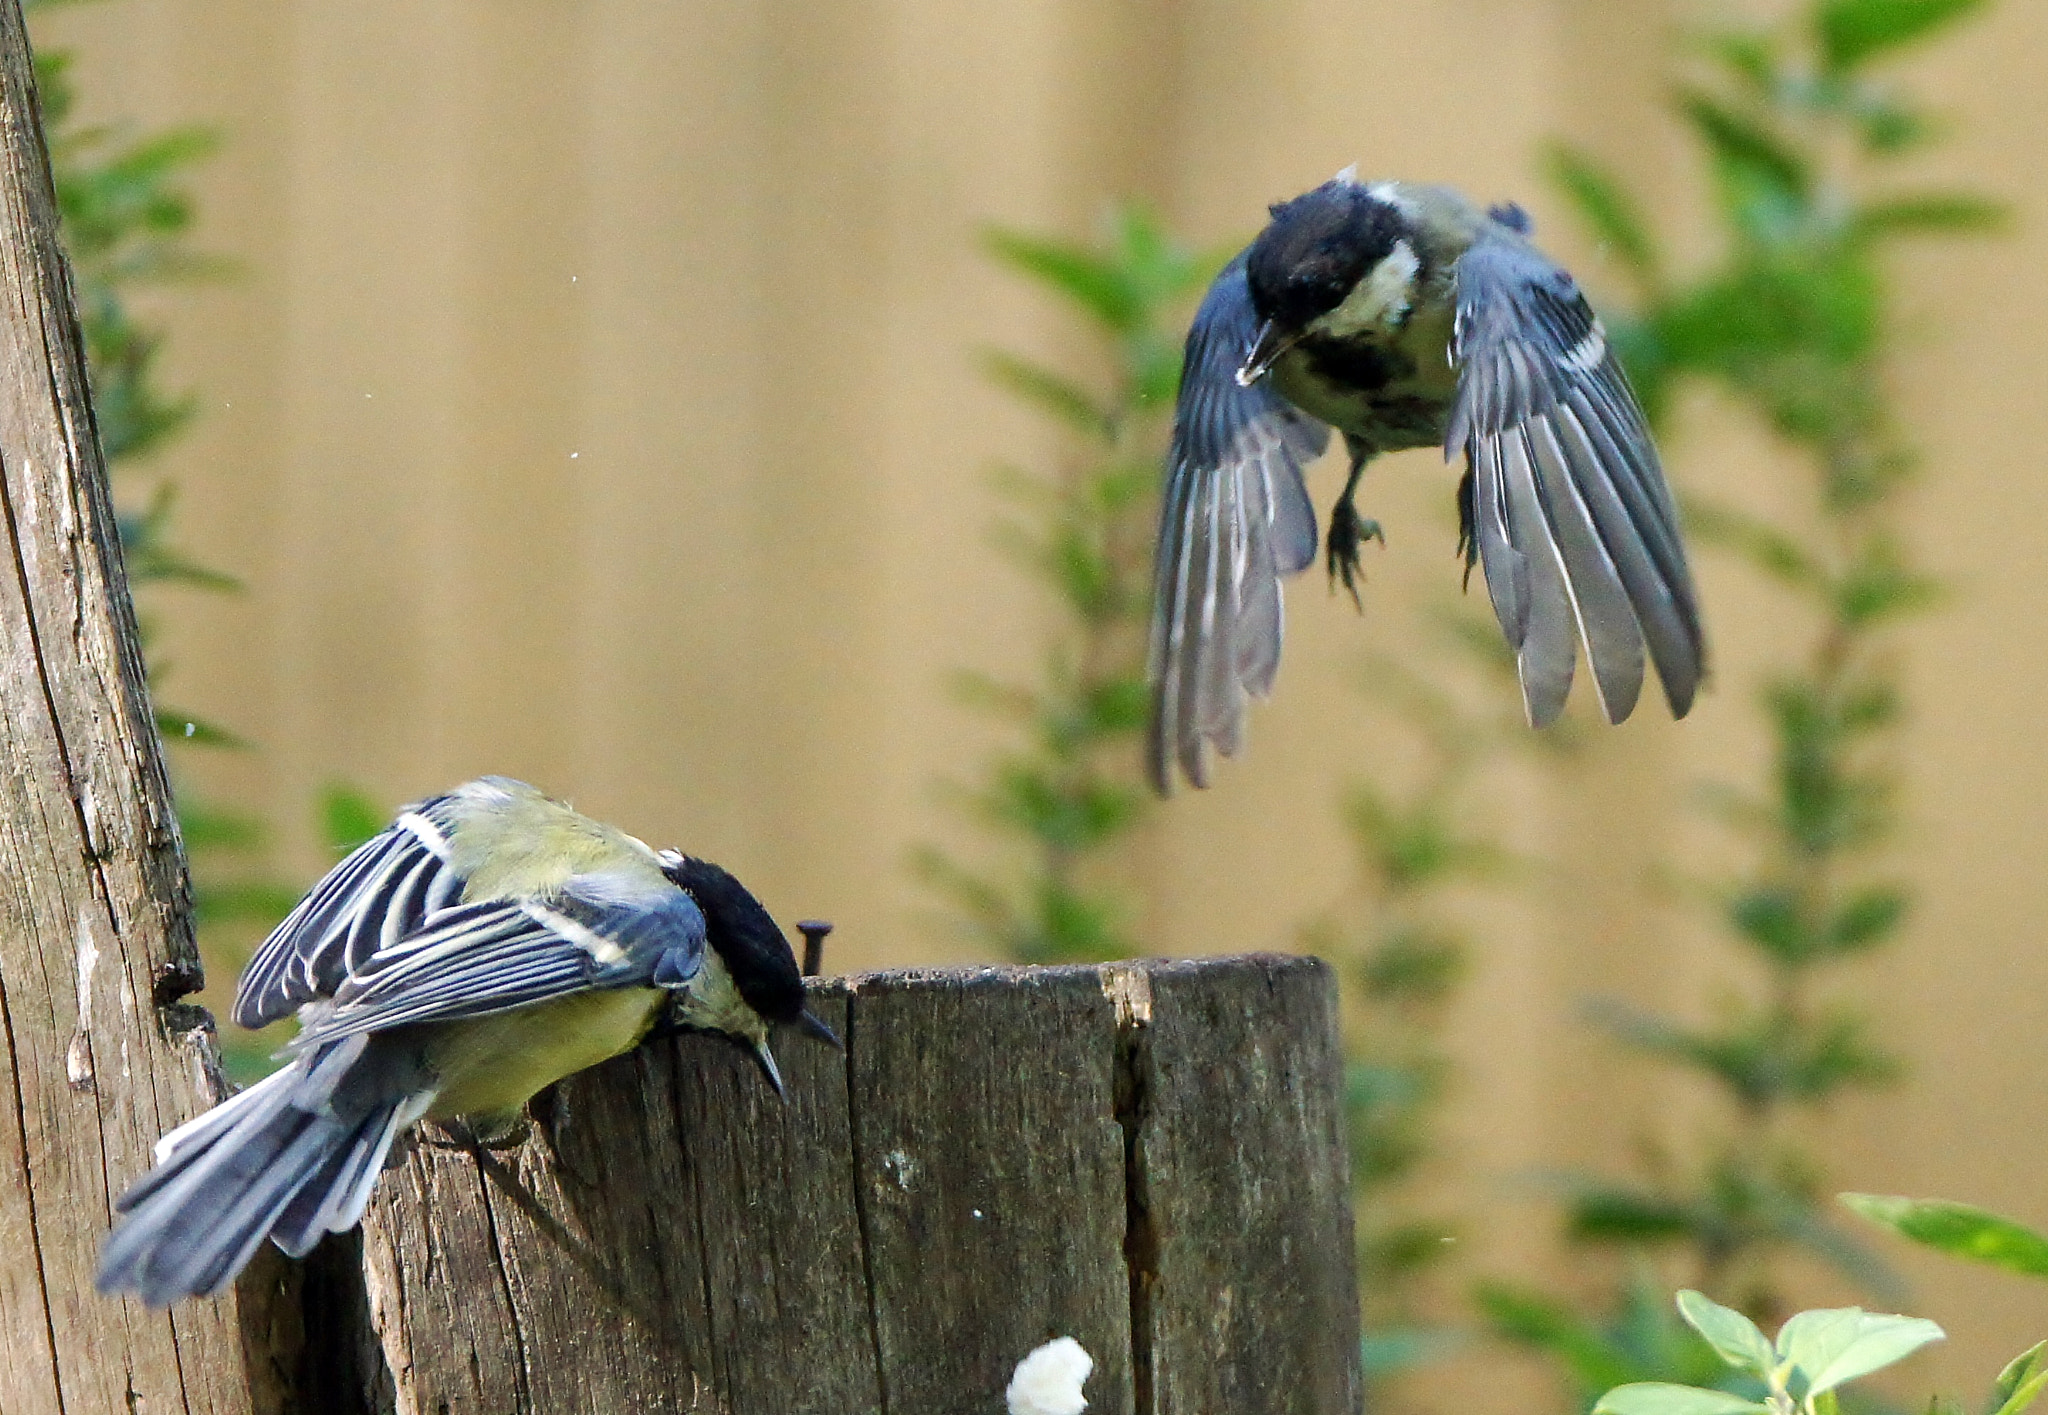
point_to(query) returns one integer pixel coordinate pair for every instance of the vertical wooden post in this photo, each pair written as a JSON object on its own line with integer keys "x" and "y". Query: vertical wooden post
{"x": 95, "y": 943}
{"x": 1148, "y": 1157}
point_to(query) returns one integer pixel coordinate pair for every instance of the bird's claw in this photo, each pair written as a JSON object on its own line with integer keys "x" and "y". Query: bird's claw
{"x": 1348, "y": 534}
{"x": 469, "y": 1136}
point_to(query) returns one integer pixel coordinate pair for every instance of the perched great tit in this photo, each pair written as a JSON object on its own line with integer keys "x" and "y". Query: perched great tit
{"x": 1404, "y": 316}
{"x": 487, "y": 943}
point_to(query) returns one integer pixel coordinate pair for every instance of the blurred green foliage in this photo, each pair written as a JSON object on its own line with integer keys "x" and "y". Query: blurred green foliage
{"x": 1793, "y": 319}
{"x": 127, "y": 219}
{"x": 1423, "y": 836}
{"x": 1061, "y": 799}
{"x": 127, "y": 215}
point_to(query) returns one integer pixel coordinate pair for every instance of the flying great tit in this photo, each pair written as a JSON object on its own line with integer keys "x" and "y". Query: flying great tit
{"x": 487, "y": 943}
{"x": 1404, "y": 316}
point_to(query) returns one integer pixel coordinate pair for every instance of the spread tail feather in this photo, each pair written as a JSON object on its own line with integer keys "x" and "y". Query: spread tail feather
{"x": 292, "y": 1158}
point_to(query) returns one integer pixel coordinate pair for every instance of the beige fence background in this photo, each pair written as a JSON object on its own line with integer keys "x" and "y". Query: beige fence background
{"x": 596, "y": 403}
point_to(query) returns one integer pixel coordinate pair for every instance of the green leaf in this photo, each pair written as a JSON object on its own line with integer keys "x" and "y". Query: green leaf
{"x": 1759, "y": 1058}
{"x": 1958, "y": 1230}
{"x": 1536, "y": 1320}
{"x": 1852, "y": 31}
{"x": 1881, "y": 586}
{"x": 176, "y": 726}
{"x": 1660, "y": 1398}
{"x": 1158, "y": 266}
{"x": 348, "y": 817}
{"x": 1766, "y": 182}
{"x": 1388, "y": 1352}
{"x": 1750, "y": 56}
{"x": 1933, "y": 214}
{"x": 2020, "y": 1383}
{"x": 207, "y": 828}
{"x": 1605, "y": 206}
{"x": 1867, "y": 918}
{"x": 1051, "y": 392}
{"x": 1770, "y": 916}
{"x": 1729, "y": 1332}
{"x": 1119, "y": 706}
{"x": 1414, "y": 964}
{"x": 1777, "y": 553}
{"x": 1889, "y": 129}
{"x": 1830, "y": 1346}
{"x": 251, "y": 902}
{"x": 1601, "y": 1213}
{"x": 1094, "y": 283}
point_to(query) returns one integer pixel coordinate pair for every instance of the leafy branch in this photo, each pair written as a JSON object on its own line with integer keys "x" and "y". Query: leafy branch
{"x": 1066, "y": 793}
{"x": 1793, "y": 320}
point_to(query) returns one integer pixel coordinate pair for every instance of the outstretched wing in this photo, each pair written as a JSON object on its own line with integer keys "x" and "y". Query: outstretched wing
{"x": 1569, "y": 512}
{"x": 1235, "y": 518}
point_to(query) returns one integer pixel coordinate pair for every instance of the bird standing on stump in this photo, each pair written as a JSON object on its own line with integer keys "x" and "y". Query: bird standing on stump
{"x": 1404, "y": 316}
{"x": 488, "y": 943}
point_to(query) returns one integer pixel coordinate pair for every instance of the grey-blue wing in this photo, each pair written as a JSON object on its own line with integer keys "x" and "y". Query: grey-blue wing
{"x": 1235, "y": 517}
{"x": 478, "y": 959}
{"x": 1572, "y": 519}
{"x": 384, "y": 890}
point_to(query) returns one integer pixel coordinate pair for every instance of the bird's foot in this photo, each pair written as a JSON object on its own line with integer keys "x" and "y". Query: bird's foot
{"x": 1468, "y": 523}
{"x": 1348, "y": 534}
{"x": 484, "y": 1132}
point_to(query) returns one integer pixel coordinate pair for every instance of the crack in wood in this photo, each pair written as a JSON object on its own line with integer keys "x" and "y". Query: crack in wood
{"x": 35, "y": 1227}
{"x": 1130, "y": 990}
{"x": 862, "y": 1221}
{"x": 522, "y": 1369}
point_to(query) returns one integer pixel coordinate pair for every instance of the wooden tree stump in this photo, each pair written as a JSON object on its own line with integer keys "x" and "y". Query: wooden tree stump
{"x": 1148, "y": 1157}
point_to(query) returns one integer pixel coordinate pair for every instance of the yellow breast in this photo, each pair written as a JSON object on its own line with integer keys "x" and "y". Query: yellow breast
{"x": 492, "y": 1064}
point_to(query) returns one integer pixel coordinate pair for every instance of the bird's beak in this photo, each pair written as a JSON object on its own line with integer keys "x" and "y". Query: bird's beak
{"x": 814, "y": 1026}
{"x": 767, "y": 1060}
{"x": 1271, "y": 343}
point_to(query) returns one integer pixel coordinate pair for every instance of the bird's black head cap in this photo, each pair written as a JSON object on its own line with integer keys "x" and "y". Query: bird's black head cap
{"x": 1317, "y": 248}
{"x": 746, "y": 937}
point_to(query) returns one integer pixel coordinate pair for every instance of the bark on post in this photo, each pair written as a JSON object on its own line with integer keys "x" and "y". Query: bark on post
{"x": 1148, "y": 1157}
{"x": 94, "y": 925}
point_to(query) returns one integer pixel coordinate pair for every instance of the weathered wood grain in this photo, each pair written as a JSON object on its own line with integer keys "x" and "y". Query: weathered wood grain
{"x": 1240, "y": 1172}
{"x": 991, "y": 1171}
{"x": 670, "y": 1237}
{"x": 1147, "y": 1157}
{"x": 94, "y": 917}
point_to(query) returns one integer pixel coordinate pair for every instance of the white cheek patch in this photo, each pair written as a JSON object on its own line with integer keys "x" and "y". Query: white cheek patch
{"x": 1376, "y": 303}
